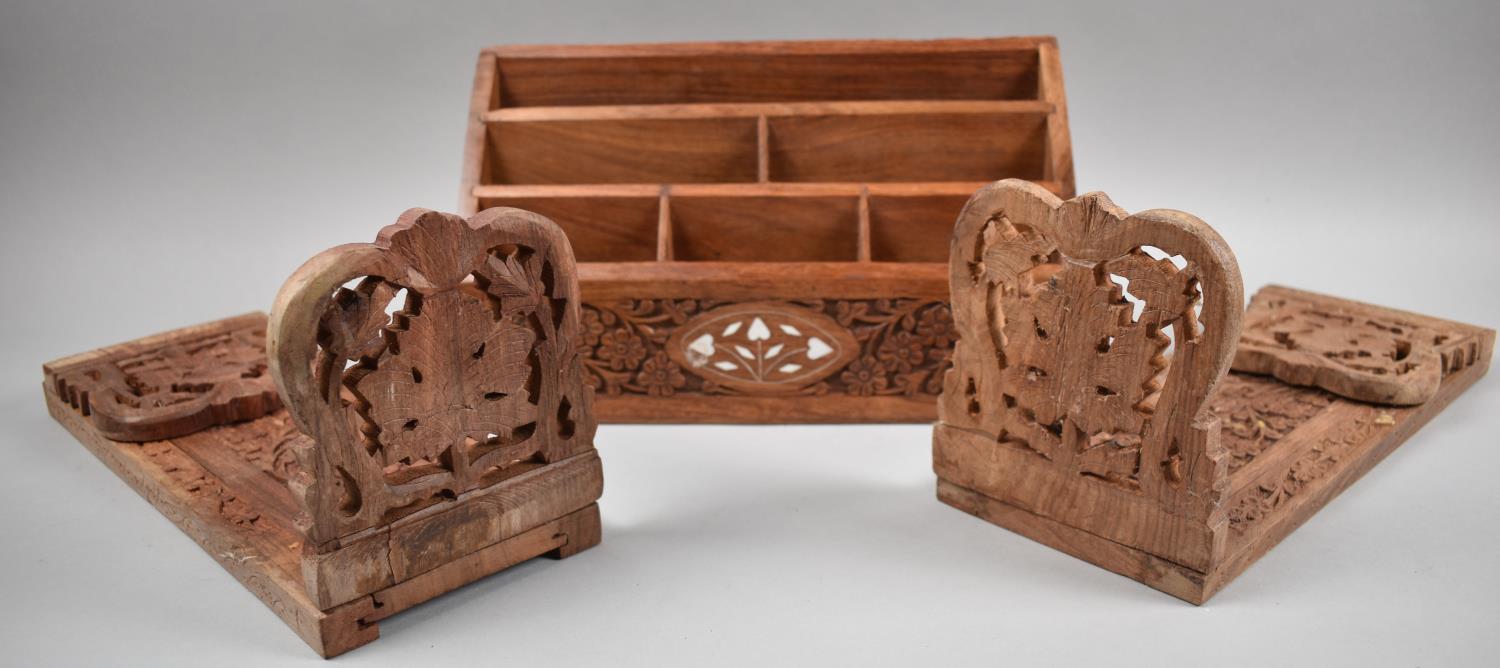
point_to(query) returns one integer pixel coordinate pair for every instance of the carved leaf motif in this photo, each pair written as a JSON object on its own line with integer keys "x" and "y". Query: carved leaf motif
{"x": 474, "y": 379}
{"x": 355, "y": 318}
{"x": 512, "y": 275}
{"x": 452, "y": 373}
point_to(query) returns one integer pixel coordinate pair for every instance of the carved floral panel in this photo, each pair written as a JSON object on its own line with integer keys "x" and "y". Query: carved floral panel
{"x": 1092, "y": 338}
{"x": 439, "y": 360}
{"x": 177, "y": 386}
{"x": 866, "y": 348}
{"x": 1359, "y": 352}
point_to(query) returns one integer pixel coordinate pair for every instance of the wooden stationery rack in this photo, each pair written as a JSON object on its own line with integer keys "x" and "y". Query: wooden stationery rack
{"x": 812, "y": 184}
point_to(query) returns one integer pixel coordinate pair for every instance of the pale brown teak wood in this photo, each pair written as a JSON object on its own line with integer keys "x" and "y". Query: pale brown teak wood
{"x": 1089, "y": 407}
{"x": 436, "y": 427}
{"x": 697, "y": 177}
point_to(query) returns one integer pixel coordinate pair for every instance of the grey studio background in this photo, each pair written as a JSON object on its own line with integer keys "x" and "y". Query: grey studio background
{"x": 167, "y": 163}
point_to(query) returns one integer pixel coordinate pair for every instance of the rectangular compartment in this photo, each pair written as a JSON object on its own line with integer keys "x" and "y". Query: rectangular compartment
{"x": 602, "y": 228}
{"x": 766, "y": 72}
{"x": 907, "y": 147}
{"x": 912, "y": 228}
{"x": 692, "y": 150}
{"x": 765, "y": 229}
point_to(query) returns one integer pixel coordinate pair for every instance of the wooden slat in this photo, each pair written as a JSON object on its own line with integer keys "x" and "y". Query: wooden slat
{"x": 770, "y": 47}
{"x": 664, "y": 225}
{"x": 372, "y": 559}
{"x": 604, "y": 281}
{"x": 1182, "y": 582}
{"x": 1059, "y": 165}
{"x": 630, "y": 408}
{"x": 891, "y": 189}
{"x": 476, "y": 169}
{"x": 762, "y": 149}
{"x": 569, "y": 533}
{"x": 864, "y": 224}
{"x": 768, "y": 109}
{"x": 592, "y": 190}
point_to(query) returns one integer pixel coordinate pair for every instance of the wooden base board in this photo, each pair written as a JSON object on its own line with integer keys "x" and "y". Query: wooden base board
{"x": 1340, "y": 444}
{"x": 247, "y": 526}
{"x": 765, "y": 410}
{"x": 1179, "y": 581}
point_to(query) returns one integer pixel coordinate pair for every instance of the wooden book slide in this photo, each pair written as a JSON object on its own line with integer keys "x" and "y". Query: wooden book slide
{"x": 411, "y": 419}
{"x": 805, "y": 184}
{"x": 1111, "y": 398}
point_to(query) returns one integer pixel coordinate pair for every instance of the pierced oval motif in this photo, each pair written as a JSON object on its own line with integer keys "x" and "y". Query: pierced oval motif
{"x": 762, "y": 347}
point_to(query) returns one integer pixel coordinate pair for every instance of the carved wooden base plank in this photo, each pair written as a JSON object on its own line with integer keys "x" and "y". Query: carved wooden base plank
{"x": 427, "y": 540}
{"x": 263, "y": 556}
{"x": 1182, "y": 582}
{"x": 1324, "y": 454}
{"x": 558, "y": 539}
{"x": 262, "y": 550}
{"x": 765, "y": 410}
{"x": 1369, "y": 435}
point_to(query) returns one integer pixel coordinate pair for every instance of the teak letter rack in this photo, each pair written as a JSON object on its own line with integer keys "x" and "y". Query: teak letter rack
{"x": 436, "y": 426}
{"x": 1105, "y": 401}
{"x": 760, "y": 226}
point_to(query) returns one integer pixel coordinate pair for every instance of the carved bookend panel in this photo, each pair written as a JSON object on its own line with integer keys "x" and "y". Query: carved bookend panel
{"x": 161, "y": 387}
{"x": 438, "y": 360}
{"x": 1360, "y": 352}
{"x": 1089, "y": 342}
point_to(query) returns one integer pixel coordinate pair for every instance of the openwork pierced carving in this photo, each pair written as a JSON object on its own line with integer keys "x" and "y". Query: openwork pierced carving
{"x": 1089, "y": 407}
{"x": 161, "y": 388}
{"x": 1364, "y": 353}
{"x": 438, "y": 360}
{"x": 763, "y": 347}
{"x": 1092, "y": 340}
